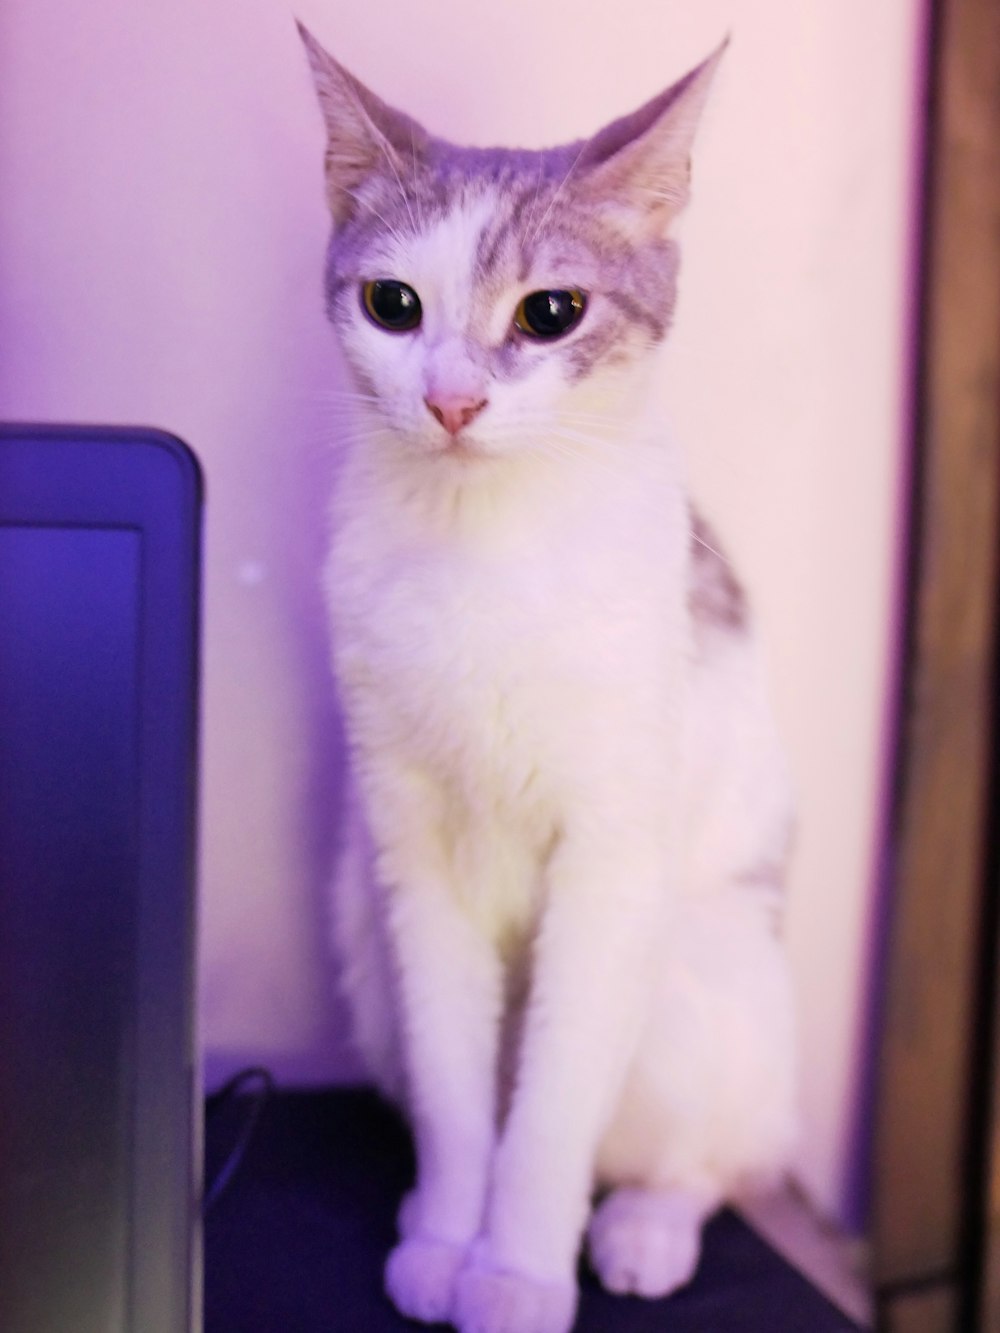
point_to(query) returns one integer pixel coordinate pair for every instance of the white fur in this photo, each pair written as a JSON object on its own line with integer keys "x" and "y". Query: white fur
{"x": 557, "y": 793}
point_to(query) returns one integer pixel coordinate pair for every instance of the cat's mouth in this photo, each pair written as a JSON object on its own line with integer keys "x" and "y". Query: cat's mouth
{"x": 462, "y": 449}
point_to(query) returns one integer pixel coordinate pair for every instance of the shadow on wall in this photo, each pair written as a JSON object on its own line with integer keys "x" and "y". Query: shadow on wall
{"x": 300, "y": 539}
{"x": 308, "y": 1041}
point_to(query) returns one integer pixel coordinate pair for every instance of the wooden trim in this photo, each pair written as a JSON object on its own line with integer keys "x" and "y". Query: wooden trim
{"x": 990, "y": 1315}
{"x": 927, "y": 1080}
{"x": 934, "y": 1310}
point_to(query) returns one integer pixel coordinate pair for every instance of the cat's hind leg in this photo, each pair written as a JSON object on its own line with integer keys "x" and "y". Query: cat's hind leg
{"x": 708, "y": 1109}
{"x": 361, "y": 944}
{"x": 647, "y": 1242}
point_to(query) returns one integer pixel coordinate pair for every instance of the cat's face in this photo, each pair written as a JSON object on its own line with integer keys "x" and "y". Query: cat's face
{"x": 490, "y": 301}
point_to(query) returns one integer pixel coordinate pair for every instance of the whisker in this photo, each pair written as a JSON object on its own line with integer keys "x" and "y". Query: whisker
{"x": 416, "y": 197}
{"x": 538, "y": 188}
{"x": 557, "y": 441}
{"x": 372, "y": 209}
{"x": 559, "y": 189}
{"x": 708, "y": 547}
{"x": 399, "y": 182}
{"x": 345, "y": 395}
{"x": 384, "y": 145}
{"x": 340, "y": 411}
{"x": 330, "y": 435}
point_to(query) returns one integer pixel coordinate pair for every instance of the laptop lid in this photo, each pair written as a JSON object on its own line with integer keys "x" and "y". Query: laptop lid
{"x": 99, "y": 595}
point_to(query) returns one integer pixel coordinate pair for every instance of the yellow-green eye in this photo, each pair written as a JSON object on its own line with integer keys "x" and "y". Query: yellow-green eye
{"x": 550, "y": 314}
{"x": 391, "y": 304}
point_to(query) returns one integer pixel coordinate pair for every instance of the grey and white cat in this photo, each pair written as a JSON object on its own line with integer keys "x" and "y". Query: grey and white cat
{"x": 570, "y": 814}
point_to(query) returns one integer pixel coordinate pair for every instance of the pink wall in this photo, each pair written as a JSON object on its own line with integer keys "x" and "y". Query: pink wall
{"x": 160, "y": 241}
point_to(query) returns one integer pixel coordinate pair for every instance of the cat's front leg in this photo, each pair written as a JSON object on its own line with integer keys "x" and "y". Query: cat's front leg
{"x": 448, "y": 997}
{"x": 592, "y": 977}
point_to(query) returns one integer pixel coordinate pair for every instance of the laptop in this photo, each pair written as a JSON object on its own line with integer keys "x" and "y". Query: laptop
{"x": 99, "y": 1093}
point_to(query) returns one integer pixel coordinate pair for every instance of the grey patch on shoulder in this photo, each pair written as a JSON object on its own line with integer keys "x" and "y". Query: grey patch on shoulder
{"x": 767, "y": 882}
{"x": 716, "y": 598}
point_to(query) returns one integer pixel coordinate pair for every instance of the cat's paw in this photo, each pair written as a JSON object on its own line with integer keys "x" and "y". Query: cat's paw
{"x": 420, "y": 1278}
{"x": 645, "y": 1242}
{"x": 489, "y": 1300}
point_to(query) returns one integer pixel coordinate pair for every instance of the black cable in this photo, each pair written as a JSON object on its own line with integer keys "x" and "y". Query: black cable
{"x": 229, "y": 1090}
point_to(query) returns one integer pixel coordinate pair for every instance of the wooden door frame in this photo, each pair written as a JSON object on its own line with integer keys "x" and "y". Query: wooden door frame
{"x": 930, "y": 1204}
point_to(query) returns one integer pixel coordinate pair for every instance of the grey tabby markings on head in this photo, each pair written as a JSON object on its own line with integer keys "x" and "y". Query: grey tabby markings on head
{"x": 609, "y": 198}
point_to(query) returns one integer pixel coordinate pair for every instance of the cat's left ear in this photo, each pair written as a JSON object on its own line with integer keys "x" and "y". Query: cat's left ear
{"x": 644, "y": 160}
{"x": 365, "y": 135}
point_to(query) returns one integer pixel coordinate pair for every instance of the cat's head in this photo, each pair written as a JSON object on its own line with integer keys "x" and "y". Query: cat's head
{"x": 491, "y": 299}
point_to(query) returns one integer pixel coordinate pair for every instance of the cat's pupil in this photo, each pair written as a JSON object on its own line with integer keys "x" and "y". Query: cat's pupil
{"x": 391, "y": 304}
{"x": 549, "y": 314}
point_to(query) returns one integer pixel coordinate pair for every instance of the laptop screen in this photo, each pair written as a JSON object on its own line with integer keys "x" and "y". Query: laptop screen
{"x": 69, "y": 601}
{"x": 97, "y": 617}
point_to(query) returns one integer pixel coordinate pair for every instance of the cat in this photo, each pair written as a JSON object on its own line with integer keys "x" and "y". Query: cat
{"x": 569, "y": 813}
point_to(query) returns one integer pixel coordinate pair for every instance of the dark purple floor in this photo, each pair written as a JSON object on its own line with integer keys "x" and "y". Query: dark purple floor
{"x": 297, "y": 1242}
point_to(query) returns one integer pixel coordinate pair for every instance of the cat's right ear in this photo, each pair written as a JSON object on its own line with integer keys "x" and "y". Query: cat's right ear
{"x": 365, "y": 136}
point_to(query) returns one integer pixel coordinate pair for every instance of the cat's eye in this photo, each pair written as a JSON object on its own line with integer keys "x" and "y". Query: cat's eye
{"x": 550, "y": 314}
{"x": 391, "y": 304}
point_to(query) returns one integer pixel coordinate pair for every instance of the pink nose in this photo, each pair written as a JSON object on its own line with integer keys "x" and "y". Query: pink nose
{"x": 454, "y": 411}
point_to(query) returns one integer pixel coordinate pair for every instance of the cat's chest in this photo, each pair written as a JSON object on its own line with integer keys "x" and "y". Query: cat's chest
{"x": 488, "y": 663}
{"x": 434, "y": 634}
{"x": 491, "y": 659}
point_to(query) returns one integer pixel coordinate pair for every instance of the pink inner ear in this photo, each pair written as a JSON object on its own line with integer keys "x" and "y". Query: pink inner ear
{"x": 627, "y": 129}
{"x": 365, "y": 134}
{"x": 649, "y": 150}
